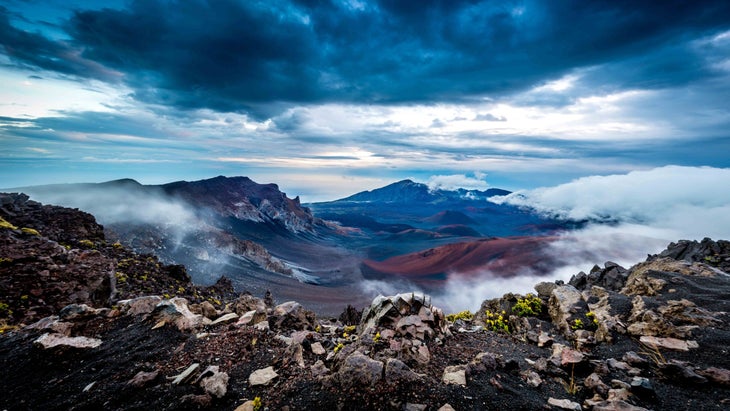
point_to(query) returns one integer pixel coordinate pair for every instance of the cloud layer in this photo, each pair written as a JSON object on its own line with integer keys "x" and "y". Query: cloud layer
{"x": 264, "y": 53}
{"x": 687, "y": 202}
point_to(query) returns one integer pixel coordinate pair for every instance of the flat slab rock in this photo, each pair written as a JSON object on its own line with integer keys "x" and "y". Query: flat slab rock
{"x": 668, "y": 343}
{"x": 48, "y": 340}
{"x": 262, "y": 377}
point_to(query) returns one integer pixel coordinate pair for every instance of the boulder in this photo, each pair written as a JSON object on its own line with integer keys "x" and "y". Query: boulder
{"x": 140, "y": 305}
{"x": 410, "y": 315}
{"x": 359, "y": 370}
{"x": 291, "y": 315}
{"x": 175, "y": 311}
{"x": 396, "y": 371}
{"x": 564, "y": 302}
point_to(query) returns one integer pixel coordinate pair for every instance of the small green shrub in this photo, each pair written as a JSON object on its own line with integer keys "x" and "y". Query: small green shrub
{"x": 86, "y": 243}
{"x": 496, "y": 321}
{"x": 338, "y": 347}
{"x": 463, "y": 315}
{"x": 377, "y": 337}
{"x": 531, "y": 305}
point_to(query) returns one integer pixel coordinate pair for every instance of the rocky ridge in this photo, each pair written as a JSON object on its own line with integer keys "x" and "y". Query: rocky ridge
{"x": 105, "y": 332}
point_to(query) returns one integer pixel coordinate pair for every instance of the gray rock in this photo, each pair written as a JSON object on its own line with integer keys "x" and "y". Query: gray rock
{"x": 562, "y": 304}
{"x": 140, "y": 305}
{"x": 642, "y": 388}
{"x": 359, "y": 370}
{"x": 48, "y": 340}
{"x": 414, "y": 407}
{"x": 397, "y": 371}
{"x": 291, "y": 315}
{"x": 214, "y": 382}
{"x": 143, "y": 378}
{"x": 454, "y": 374}
{"x": 319, "y": 369}
{"x": 317, "y": 349}
{"x": 595, "y": 383}
{"x": 262, "y": 376}
{"x": 76, "y": 312}
{"x": 224, "y": 319}
{"x": 185, "y": 375}
{"x": 175, "y": 311}
{"x": 668, "y": 343}
{"x": 531, "y": 378}
{"x": 564, "y": 404}
{"x": 677, "y": 370}
{"x": 545, "y": 289}
{"x": 617, "y": 406}
{"x": 719, "y": 376}
{"x": 446, "y": 407}
{"x": 207, "y": 309}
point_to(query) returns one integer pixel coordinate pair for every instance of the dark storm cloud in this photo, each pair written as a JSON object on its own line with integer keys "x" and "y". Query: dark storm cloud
{"x": 33, "y": 50}
{"x": 249, "y": 56}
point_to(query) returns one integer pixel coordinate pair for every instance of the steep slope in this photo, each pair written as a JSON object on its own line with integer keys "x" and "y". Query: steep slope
{"x": 216, "y": 226}
{"x": 244, "y": 199}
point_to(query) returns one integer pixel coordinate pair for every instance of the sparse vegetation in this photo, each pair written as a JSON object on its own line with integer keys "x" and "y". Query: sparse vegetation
{"x": 257, "y": 404}
{"x": 86, "y": 243}
{"x": 531, "y": 305}
{"x": 652, "y": 352}
{"x": 465, "y": 315}
{"x": 5, "y": 224}
{"x": 497, "y": 321}
{"x": 377, "y": 337}
{"x": 577, "y": 324}
{"x": 121, "y": 277}
{"x": 5, "y": 310}
{"x": 570, "y": 386}
{"x": 338, "y": 347}
{"x": 30, "y": 231}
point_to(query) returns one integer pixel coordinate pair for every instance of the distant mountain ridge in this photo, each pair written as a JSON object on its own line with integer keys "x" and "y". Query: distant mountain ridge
{"x": 244, "y": 199}
{"x": 405, "y": 191}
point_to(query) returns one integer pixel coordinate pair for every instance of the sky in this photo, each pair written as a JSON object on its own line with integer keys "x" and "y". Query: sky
{"x": 328, "y": 98}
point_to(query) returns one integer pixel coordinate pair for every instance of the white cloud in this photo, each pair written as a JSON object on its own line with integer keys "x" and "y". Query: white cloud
{"x": 456, "y": 181}
{"x": 686, "y": 202}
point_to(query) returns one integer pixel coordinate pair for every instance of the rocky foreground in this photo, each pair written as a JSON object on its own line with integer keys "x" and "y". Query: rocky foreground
{"x": 88, "y": 324}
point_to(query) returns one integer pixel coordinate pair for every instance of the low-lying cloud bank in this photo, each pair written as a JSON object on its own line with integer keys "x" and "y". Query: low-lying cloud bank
{"x": 686, "y": 202}
{"x": 631, "y": 215}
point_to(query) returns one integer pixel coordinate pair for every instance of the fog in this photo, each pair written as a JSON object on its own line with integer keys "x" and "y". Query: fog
{"x": 114, "y": 205}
